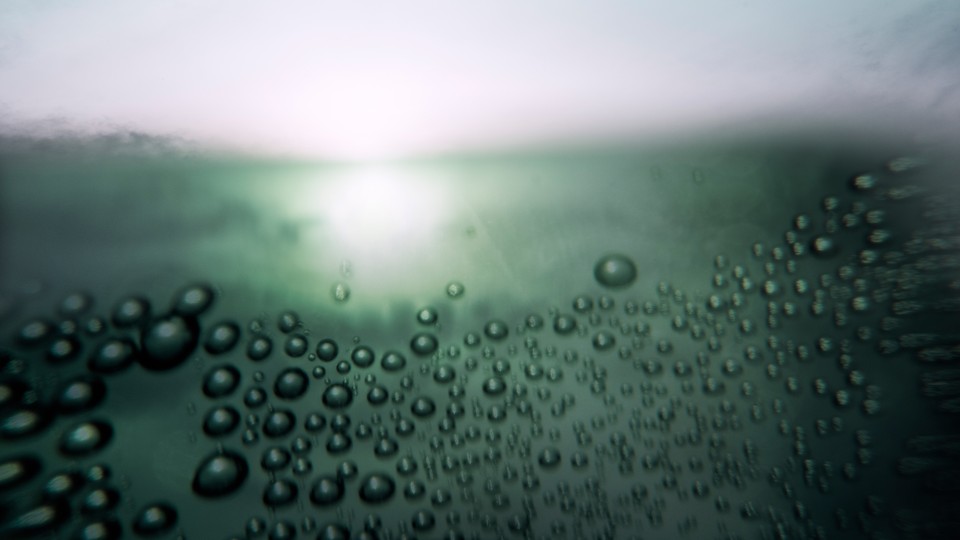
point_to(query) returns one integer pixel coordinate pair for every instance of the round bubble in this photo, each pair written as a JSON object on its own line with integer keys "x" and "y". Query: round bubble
{"x": 615, "y": 270}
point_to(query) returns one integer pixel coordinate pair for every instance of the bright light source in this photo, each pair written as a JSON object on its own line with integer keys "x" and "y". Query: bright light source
{"x": 381, "y": 210}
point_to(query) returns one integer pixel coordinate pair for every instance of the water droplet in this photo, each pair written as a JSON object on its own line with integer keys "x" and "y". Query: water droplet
{"x": 280, "y": 492}
{"x": 615, "y": 271}
{"x": 37, "y": 520}
{"x": 496, "y": 330}
{"x": 377, "y": 395}
{"x": 549, "y": 458}
{"x": 222, "y": 337}
{"x": 99, "y": 501}
{"x": 424, "y": 344}
{"x": 274, "y": 459}
{"x": 326, "y": 490}
{"x": 221, "y": 381}
{"x": 63, "y": 485}
{"x": 278, "y": 423}
{"x": 455, "y": 289}
{"x": 377, "y": 488}
{"x": 18, "y": 470}
{"x": 494, "y": 386}
{"x": 154, "y": 519}
{"x": 423, "y": 407}
{"x": 337, "y": 396}
{"x": 338, "y": 443}
{"x": 112, "y": 356}
{"x": 220, "y": 474}
{"x": 603, "y": 340}
{"x": 444, "y": 374}
{"x": 427, "y": 315}
{"x": 291, "y": 383}
{"x": 362, "y": 356}
{"x": 221, "y": 421}
{"x": 85, "y": 438}
{"x": 423, "y": 520}
{"x": 167, "y": 342}
{"x": 333, "y": 531}
{"x": 296, "y": 346}
{"x": 63, "y": 349}
{"x": 393, "y": 361}
{"x": 327, "y": 349}
{"x": 259, "y": 348}
{"x": 564, "y": 324}
{"x": 255, "y": 397}
{"x": 823, "y": 246}
{"x": 81, "y": 393}
{"x": 288, "y": 321}
{"x": 131, "y": 312}
{"x": 340, "y": 292}
{"x": 193, "y": 300}
{"x": 282, "y": 530}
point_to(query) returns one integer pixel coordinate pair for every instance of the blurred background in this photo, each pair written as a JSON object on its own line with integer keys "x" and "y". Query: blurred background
{"x": 197, "y": 198}
{"x": 374, "y": 80}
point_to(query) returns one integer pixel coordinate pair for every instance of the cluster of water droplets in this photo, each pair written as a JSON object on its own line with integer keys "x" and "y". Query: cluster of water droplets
{"x": 749, "y": 405}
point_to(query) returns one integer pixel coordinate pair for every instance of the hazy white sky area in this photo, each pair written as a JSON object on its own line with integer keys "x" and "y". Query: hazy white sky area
{"x": 365, "y": 78}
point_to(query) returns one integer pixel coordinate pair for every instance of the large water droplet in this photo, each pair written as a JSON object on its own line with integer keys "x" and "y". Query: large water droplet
{"x": 18, "y": 470}
{"x": 280, "y": 492}
{"x": 220, "y": 474}
{"x": 393, "y": 361}
{"x": 222, "y": 337}
{"x": 362, "y": 356}
{"x": 131, "y": 312}
{"x": 279, "y": 423}
{"x": 24, "y": 422}
{"x": 81, "y": 394}
{"x": 167, "y": 342}
{"x": 615, "y": 270}
{"x": 377, "y": 488}
{"x": 221, "y": 381}
{"x": 85, "y": 438}
{"x": 337, "y": 396}
{"x": 112, "y": 356}
{"x": 259, "y": 348}
{"x": 37, "y": 520}
{"x": 291, "y": 383}
{"x": 193, "y": 300}
{"x": 326, "y": 490}
{"x": 221, "y": 421}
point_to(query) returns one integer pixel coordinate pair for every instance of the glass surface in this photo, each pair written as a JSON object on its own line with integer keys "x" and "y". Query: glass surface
{"x": 615, "y": 274}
